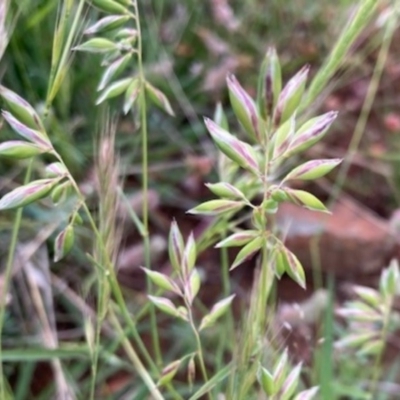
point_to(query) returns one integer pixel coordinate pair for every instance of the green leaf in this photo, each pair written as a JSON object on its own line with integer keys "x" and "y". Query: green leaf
{"x": 189, "y": 255}
{"x": 131, "y": 94}
{"x": 220, "y": 376}
{"x": 226, "y": 190}
{"x": 313, "y": 169}
{"x": 159, "y": 98}
{"x": 311, "y": 132}
{"x": 60, "y": 192}
{"x": 97, "y": 45}
{"x": 110, "y": 6}
{"x": 19, "y": 149}
{"x": 215, "y": 207}
{"x": 305, "y": 199}
{"x": 245, "y": 109}
{"x": 27, "y": 194}
{"x": 106, "y": 24}
{"x": 248, "y": 251}
{"x": 175, "y": 247}
{"x": 283, "y": 136}
{"x": 294, "y": 268}
{"x": 35, "y": 136}
{"x": 63, "y": 243}
{"x": 266, "y": 380}
{"x": 192, "y": 285}
{"x": 169, "y": 372}
{"x": 290, "y": 383}
{"x": 162, "y": 281}
{"x": 220, "y": 117}
{"x": 269, "y": 83}
{"x": 56, "y": 170}
{"x": 114, "y": 69}
{"x": 238, "y": 239}
{"x": 371, "y": 296}
{"x": 114, "y": 90}
{"x": 240, "y": 152}
{"x": 216, "y": 312}
{"x": 22, "y": 110}
{"x": 165, "y": 305}
{"x": 290, "y": 97}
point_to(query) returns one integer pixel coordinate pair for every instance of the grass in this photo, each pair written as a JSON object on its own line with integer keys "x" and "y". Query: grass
{"x": 75, "y": 318}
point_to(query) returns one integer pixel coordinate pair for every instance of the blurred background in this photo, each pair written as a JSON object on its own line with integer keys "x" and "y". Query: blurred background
{"x": 189, "y": 47}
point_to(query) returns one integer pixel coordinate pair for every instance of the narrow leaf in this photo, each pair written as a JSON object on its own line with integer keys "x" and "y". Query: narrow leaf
{"x": 355, "y": 340}
{"x": 19, "y": 149}
{"x": 216, "y": 312}
{"x": 107, "y": 23}
{"x": 248, "y": 251}
{"x": 308, "y": 394}
{"x": 283, "y": 136}
{"x": 23, "y": 111}
{"x": 114, "y": 69}
{"x": 27, "y": 194}
{"x": 165, "y": 305}
{"x": 290, "y": 383}
{"x": 162, "y": 281}
{"x": 110, "y": 6}
{"x": 372, "y": 348}
{"x": 215, "y": 207}
{"x": 226, "y": 190}
{"x": 192, "y": 285}
{"x": 220, "y": 117}
{"x": 313, "y": 169}
{"x": 175, "y": 247}
{"x": 280, "y": 368}
{"x": 159, "y": 98}
{"x": 369, "y": 295}
{"x": 295, "y": 269}
{"x": 290, "y": 97}
{"x": 189, "y": 255}
{"x": 311, "y": 132}
{"x": 114, "y": 90}
{"x": 238, "y": 239}
{"x": 131, "y": 95}
{"x": 56, "y": 170}
{"x": 240, "y": 152}
{"x": 60, "y": 192}
{"x": 97, "y": 45}
{"x": 244, "y": 109}
{"x": 63, "y": 243}
{"x": 32, "y": 135}
{"x": 269, "y": 83}
{"x": 305, "y": 199}
{"x": 266, "y": 380}
{"x": 169, "y": 372}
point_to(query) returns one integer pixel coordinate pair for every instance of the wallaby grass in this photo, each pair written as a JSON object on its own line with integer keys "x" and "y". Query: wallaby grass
{"x": 112, "y": 334}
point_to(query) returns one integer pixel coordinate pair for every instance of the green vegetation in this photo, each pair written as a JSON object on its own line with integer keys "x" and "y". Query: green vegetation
{"x": 107, "y": 227}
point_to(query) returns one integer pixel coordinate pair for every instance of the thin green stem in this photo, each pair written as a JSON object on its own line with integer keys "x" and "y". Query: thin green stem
{"x": 338, "y": 53}
{"x": 200, "y": 354}
{"x": 377, "y": 369}
{"x": 101, "y": 311}
{"x": 265, "y": 284}
{"x": 7, "y": 276}
{"x": 156, "y": 394}
{"x": 116, "y": 290}
{"x": 145, "y": 183}
{"x": 58, "y": 68}
{"x": 367, "y": 106}
{"x": 110, "y": 273}
{"x": 198, "y": 342}
{"x": 228, "y": 331}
